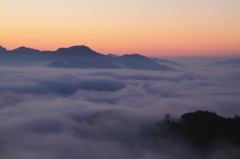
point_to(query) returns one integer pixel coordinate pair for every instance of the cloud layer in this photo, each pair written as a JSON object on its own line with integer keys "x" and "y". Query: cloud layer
{"x": 76, "y": 113}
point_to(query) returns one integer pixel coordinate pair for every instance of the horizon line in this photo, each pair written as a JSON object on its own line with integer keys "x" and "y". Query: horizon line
{"x": 152, "y": 56}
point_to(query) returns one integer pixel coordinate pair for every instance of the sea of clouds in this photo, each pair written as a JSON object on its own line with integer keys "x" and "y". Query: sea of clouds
{"x": 107, "y": 114}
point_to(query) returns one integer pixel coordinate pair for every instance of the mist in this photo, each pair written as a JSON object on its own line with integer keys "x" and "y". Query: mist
{"x": 108, "y": 113}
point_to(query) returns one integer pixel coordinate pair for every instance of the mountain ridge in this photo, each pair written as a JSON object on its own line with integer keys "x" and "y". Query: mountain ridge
{"x": 227, "y": 62}
{"x": 80, "y": 56}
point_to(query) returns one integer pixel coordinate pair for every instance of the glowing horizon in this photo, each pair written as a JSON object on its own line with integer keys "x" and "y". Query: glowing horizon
{"x": 151, "y": 28}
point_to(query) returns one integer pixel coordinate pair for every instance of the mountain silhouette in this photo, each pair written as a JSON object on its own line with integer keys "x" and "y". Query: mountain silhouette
{"x": 58, "y": 64}
{"x": 232, "y": 63}
{"x": 203, "y": 129}
{"x": 78, "y": 57}
{"x": 24, "y": 50}
{"x": 136, "y": 61}
{"x": 167, "y": 62}
{"x": 2, "y": 50}
{"x": 112, "y": 55}
{"x": 77, "y": 51}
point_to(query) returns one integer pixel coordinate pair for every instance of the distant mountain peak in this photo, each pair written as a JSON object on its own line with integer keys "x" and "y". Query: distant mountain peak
{"x": 137, "y": 61}
{"x": 227, "y": 62}
{"x": 2, "y": 49}
{"x": 164, "y": 61}
{"x": 135, "y": 57}
{"x": 24, "y": 49}
{"x": 77, "y": 48}
{"x": 58, "y": 64}
{"x": 112, "y": 55}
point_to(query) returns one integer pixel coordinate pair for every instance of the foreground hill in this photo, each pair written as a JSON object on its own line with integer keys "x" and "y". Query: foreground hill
{"x": 204, "y": 130}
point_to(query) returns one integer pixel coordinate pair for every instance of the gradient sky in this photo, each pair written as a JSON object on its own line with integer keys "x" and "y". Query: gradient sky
{"x": 149, "y": 27}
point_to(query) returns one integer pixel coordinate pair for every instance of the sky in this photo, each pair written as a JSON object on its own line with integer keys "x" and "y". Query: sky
{"x": 148, "y": 27}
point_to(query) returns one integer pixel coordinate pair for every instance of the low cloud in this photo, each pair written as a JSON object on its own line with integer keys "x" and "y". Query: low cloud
{"x": 77, "y": 113}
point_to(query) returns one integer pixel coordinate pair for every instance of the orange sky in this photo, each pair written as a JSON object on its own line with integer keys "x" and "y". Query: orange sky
{"x": 148, "y": 27}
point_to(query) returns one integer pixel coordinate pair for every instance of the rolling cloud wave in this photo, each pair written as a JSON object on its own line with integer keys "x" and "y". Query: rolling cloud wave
{"x": 71, "y": 113}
